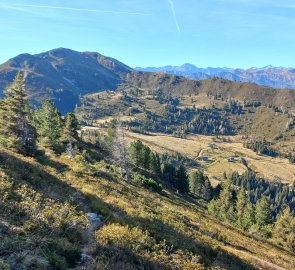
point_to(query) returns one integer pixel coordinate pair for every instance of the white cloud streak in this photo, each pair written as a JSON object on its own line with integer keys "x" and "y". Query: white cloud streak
{"x": 76, "y": 9}
{"x": 172, "y": 6}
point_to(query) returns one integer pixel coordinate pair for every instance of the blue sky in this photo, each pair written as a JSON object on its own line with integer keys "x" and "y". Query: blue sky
{"x": 232, "y": 33}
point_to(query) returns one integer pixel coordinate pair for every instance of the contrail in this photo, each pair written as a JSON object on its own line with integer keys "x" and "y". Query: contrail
{"x": 174, "y": 15}
{"x": 80, "y": 9}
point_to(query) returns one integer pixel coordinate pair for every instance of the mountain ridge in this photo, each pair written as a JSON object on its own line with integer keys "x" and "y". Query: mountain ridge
{"x": 65, "y": 75}
{"x": 276, "y": 77}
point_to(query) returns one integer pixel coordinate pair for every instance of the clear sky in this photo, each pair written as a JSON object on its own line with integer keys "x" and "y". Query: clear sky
{"x": 231, "y": 33}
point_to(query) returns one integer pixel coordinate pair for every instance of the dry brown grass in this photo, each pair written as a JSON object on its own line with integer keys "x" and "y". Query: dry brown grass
{"x": 194, "y": 146}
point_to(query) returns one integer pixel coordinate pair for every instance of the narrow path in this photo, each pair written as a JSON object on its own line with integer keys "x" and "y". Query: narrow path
{"x": 95, "y": 222}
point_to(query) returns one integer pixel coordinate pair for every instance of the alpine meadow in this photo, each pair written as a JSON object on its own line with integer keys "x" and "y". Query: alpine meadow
{"x": 150, "y": 164}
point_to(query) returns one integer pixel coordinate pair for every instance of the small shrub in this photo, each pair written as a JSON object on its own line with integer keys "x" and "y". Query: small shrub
{"x": 133, "y": 239}
{"x": 148, "y": 183}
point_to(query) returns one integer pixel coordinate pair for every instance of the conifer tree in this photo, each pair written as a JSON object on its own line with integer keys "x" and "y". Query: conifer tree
{"x": 181, "y": 180}
{"x": 155, "y": 164}
{"x": 49, "y": 124}
{"x": 240, "y": 207}
{"x": 70, "y": 133}
{"x": 200, "y": 185}
{"x": 227, "y": 203}
{"x": 136, "y": 152}
{"x": 146, "y": 154}
{"x": 248, "y": 218}
{"x": 263, "y": 214}
{"x": 207, "y": 190}
{"x": 169, "y": 174}
{"x": 16, "y": 129}
{"x": 284, "y": 230}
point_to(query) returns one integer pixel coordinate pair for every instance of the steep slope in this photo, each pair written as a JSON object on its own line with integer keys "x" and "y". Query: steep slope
{"x": 141, "y": 229}
{"x": 64, "y": 75}
{"x": 267, "y": 76}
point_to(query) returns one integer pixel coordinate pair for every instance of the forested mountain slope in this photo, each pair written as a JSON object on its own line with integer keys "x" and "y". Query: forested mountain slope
{"x": 64, "y": 76}
{"x": 78, "y": 199}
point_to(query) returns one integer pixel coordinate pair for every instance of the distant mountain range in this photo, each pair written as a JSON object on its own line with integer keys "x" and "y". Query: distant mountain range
{"x": 276, "y": 77}
{"x": 65, "y": 76}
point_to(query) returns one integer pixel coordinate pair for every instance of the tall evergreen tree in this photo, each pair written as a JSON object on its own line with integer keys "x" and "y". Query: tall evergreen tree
{"x": 49, "y": 124}
{"x": 70, "y": 133}
{"x": 181, "y": 180}
{"x": 248, "y": 218}
{"x": 227, "y": 203}
{"x": 169, "y": 174}
{"x": 146, "y": 154}
{"x": 241, "y": 206}
{"x": 155, "y": 164}
{"x": 284, "y": 230}
{"x": 135, "y": 150}
{"x": 200, "y": 185}
{"x": 207, "y": 190}
{"x": 16, "y": 129}
{"x": 263, "y": 214}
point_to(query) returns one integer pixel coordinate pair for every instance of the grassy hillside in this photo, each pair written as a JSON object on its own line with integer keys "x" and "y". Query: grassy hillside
{"x": 218, "y": 150}
{"x": 43, "y": 222}
{"x": 179, "y": 113}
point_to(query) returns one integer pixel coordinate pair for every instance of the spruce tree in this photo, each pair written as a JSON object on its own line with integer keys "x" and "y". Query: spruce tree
{"x": 16, "y": 130}
{"x": 49, "y": 124}
{"x": 70, "y": 133}
{"x": 284, "y": 230}
{"x": 146, "y": 152}
{"x": 169, "y": 174}
{"x": 181, "y": 180}
{"x": 227, "y": 203}
{"x": 135, "y": 150}
{"x": 248, "y": 218}
{"x": 207, "y": 190}
{"x": 155, "y": 164}
{"x": 240, "y": 207}
{"x": 263, "y": 215}
{"x": 200, "y": 185}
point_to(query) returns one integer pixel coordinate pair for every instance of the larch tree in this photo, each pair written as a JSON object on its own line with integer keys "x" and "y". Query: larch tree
{"x": 16, "y": 129}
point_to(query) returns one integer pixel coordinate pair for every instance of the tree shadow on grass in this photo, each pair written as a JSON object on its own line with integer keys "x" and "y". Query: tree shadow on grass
{"x": 23, "y": 172}
{"x": 161, "y": 231}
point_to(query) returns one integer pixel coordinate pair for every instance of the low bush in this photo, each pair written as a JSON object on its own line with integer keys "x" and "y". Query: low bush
{"x": 148, "y": 183}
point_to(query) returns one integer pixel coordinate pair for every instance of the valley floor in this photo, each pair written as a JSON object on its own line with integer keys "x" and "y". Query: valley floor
{"x": 219, "y": 150}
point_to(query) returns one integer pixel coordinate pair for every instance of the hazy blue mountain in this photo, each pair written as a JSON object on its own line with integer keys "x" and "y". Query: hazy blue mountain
{"x": 277, "y": 77}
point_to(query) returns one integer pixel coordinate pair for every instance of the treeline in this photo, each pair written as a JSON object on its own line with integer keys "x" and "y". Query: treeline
{"x": 183, "y": 121}
{"x": 21, "y": 127}
{"x": 256, "y": 206}
{"x": 261, "y": 147}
